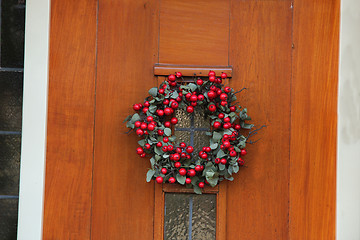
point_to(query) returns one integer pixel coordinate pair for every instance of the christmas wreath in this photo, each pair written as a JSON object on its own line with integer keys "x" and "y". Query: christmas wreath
{"x": 175, "y": 162}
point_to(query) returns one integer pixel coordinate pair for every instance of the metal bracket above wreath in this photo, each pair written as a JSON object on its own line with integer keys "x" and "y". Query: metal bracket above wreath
{"x": 190, "y": 71}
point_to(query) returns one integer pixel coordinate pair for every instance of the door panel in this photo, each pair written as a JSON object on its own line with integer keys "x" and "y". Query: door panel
{"x": 102, "y": 58}
{"x": 260, "y": 43}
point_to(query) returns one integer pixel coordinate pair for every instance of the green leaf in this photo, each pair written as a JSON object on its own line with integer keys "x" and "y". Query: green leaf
{"x": 208, "y": 133}
{"x": 220, "y": 154}
{"x": 209, "y": 174}
{"x": 153, "y": 91}
{"x": 135, "y": 118}
{"x": 152, "y": 108}
{"x": 192, "y": 86}
{"x": 221, "y": 167}
{"x": 229, "y": 178}
{"x": 158, "y": 151}
{"x": 174, "y": 94}
{"x": 152, "y": 161}
{"x": 172, "y": 138}
{"x": 246, "y": 125}
{"x": 167, "y": 131}
{"x": 149, "y": 175}
{"x": 213, "y": 181}
{"x": 141, "y": 142}
{"x": 180, "y": 179}
{"x": 217, "y": 136}
{"x": 127, "y": 118}
{"x": 130, "y": 124}
{"x": 236, "y": 168}
{"x": 214, "y": 146}
{"x": 197, "y": 189}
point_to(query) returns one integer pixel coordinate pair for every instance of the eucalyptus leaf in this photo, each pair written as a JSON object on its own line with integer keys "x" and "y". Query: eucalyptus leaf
{"x": 141, "y": 142}
{"x": 152, "y": 161}
{"x": 153, "y": 91}
{"x": 180, "y": 179}
{"x": 149, "y": 175}
{"x": 236, "y": 168}
{"x": 220, "y": 154}
{"x": 192, "y": 87}
{"x": 197, "y": 189}
{"x": 214, "y": 146}
{"x": 172, "y": 138}
{"x": 216, "y": 136}
{"x": 152, "y": 108}
{"x": 175, "y": 94}
{"x": 135, "y": 118}
{"x": 221, "y": 167}
{"x": 167, "y": 131}
{"x": 127, "y": 118}
{"x": 130, "y": 124}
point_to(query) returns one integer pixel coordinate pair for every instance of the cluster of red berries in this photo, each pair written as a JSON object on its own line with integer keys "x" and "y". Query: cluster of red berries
{"x": 154, "y": 120}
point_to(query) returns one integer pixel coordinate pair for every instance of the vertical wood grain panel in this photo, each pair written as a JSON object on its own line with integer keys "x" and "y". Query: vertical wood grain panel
{"x": 194, "y": 32}
{"x": 70, "y": 120}
{"x": 260, "y": 53}
{"x": 314, "y": 120}
{"x": 123, "y": 202}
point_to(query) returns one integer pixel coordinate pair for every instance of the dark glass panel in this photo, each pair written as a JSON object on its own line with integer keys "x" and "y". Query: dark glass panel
{"x": 183, "y": 136}
{"x": 12, "y": 33}
{"x": 11, "y": 92}
{"x": 8, "y": 219}
{"x": 10, "y": 147}
{"x": 176, "y": 224}
{"x": 184, "y": 119}
{"x": 204, "y": 217}
{"x": 200, "y": 140}
{"x": 200, "y": 121}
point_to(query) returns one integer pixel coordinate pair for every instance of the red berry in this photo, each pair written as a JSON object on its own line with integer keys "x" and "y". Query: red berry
{"x": 201, "y": 185}
{"x": 232, "y": 109}
{"x": 165, "y": 148}
{"x": 147, "y": 146}
{"x": 190, "y": 109}
{"x": 160, "y": 132}
{"x": 172, "y": 180}
{"x": 174, "y": 120}
{"x": 223, "y": 96}
{"x": 193, "y": 98}
{"x": 227, "y": 119}
{"x": 149, "y": 119}
{"x": 198, "y": 168}
{"x": 171, "y": 77}
{"x": 212, "y": 108}
{"x": 218, "y": 91}
{"x": 166, "y": 102}
{"x": 178, "y": 99}
{"x": 178, "y": 74}
{"x": 142, "y": 155}
{"x": 223, "y": 161}
{"x": 178, "y": 150}
{"x": 191, "y": 172}
{"x": 165, "y": 139}
{"x": 151, "y": 127}
{"x": 174, "y": 105}
{"x": 227, "y": 89}
{"x": 167, "y": 111}
{"x": 217, "y": 160}
{"x": 200, "y": 97}
{"x": 212, "y": 78}
{"x": 227, "y": 125}
{"x": 188, "y": 180}
{"x": 161, "y": 91}
{"x": 188, "y": 95}
{"x": 159, "y": 179}
{"x": 159, "y": 144}
{"x": 223, "y": 103}
{"x": 136, "y": 107}
{"x": 217, "y": 124}
{"x": 182, "y": 144}
{"x": 189, "y": 149}
{"x": 193, "y": 104}
{"x": 182, "y": 171}
{"x": 225, "y": 136}
{"x": 240, "y": 161}
{"x": 208, "y": 149}
{"x": 160, "y": 112}
{"x": 218, "y": 80}
{"x": 177, "y": 164}
{"x": 173, "y": 84}
{"x": 223, "y": 75}
{"x": 221, "y": 115}
{"x": 170, "y": 148}
{"x": 204, "y": 156}
{"x": 232, "y": 153}
{"x": 199, "y": 82}
{"x": 167, "y": 124}
{"x": 143, "y": 126}
{"x": 237, "y": 127}
{"x": 139, "y": 150}
{"x": 226, "y": 144}
{"x": 139, "y": 132}
{"x": 211, "y": 94}
{"x": 163, "y": 170}
{"x": 137, "y": 124}
{"x": 183, "y": 155}
{"x": 211, "y": 73}
{"x": 243, "y": 152}
{"x": 176, "y": 157}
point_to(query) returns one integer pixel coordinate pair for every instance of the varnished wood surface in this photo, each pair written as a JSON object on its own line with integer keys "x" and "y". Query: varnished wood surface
{"x": 194, "y": 32}
{"x": 70, "y": 124}
{"x": 166, "y": 70}
{"x": 177, "y": 188}
{"x": 123, "y": 202}
{"x": 314, "y": 120}
{"x": 260, "y": 53}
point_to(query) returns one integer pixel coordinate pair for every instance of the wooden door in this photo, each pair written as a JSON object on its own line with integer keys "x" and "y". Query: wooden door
{"x": 102, "y": 58}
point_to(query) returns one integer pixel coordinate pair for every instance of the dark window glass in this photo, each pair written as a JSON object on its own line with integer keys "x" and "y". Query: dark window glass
{"x": 12, "y": 33}
{"x": 190, "y": 216}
